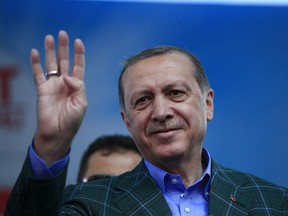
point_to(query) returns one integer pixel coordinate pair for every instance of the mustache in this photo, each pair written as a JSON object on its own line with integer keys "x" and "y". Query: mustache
{"x": 171, "y": 124}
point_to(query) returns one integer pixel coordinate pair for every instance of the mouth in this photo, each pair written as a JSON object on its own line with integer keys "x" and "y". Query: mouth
{"x": 160, "y": 131}
{"x": 165, "y": 133}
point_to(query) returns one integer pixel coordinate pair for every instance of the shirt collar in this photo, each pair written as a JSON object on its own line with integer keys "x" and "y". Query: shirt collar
{"x": 159, "y": 175}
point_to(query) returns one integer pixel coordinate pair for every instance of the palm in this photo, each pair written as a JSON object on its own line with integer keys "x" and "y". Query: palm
{"x": 60, "y": 107}
{"x": 61, "y": 99}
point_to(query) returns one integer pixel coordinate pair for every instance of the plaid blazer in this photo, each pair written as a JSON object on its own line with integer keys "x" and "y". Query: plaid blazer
{"x": 135, "y": 193}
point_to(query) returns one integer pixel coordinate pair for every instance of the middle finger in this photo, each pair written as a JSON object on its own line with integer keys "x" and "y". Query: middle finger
{"x": 63, "y": 53}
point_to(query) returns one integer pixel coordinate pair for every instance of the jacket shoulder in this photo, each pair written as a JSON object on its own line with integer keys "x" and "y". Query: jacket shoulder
{"x": 256, "y": 194}
{"x": 237, "y": 178}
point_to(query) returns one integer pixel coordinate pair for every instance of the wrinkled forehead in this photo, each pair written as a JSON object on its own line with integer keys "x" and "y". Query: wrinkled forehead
{"x": 166, "y": 60}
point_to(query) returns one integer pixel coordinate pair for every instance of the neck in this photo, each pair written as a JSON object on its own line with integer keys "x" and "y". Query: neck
{"x": 190, "y": 169}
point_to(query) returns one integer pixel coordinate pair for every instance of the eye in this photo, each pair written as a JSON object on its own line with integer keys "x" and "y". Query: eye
{"x": 142, "y": 102}
{"x": 177, "y": 95}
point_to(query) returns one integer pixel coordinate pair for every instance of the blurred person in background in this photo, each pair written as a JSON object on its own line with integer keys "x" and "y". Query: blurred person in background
{"x": 107, "y": 156}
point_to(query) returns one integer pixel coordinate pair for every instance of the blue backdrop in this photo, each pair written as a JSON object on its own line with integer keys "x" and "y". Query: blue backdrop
{"x": 244, "y": 50}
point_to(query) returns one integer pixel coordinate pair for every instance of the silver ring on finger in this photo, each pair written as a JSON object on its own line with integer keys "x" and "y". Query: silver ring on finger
{"x": 52, "y": 73}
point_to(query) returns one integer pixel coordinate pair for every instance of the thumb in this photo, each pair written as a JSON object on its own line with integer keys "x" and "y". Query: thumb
{"x": 73, "y": 83}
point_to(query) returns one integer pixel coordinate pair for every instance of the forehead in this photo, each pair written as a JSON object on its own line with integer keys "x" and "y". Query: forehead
{"x": 164, "y": 64}
{"x": 114, "y": 163}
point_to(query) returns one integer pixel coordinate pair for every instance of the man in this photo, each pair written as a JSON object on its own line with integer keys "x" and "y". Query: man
{"x": 166, "y": 102}
{"x": 107, "y": 156}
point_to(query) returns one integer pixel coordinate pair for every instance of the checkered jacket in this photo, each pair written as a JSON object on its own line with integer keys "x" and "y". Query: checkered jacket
{"x": 135, "y": 193}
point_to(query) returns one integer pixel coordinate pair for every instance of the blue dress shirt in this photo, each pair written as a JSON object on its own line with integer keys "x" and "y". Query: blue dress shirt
{"x": 39, "y": 167}
{"x": 181, "y": 200}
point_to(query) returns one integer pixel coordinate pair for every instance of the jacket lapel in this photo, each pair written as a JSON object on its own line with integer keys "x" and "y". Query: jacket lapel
{"x": 226, "y": 197}
{"x": 139, "y": 195}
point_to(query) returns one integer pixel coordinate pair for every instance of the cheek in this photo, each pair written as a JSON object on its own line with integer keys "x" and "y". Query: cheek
{"x": 193, "y": 113}
{"x": 136, "y": 122}
{"x": 139, "y": 122}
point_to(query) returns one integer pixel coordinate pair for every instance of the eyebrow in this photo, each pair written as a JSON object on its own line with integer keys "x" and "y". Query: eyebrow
{"x": 177, "y": 83}
{"x": 166, "y": 88}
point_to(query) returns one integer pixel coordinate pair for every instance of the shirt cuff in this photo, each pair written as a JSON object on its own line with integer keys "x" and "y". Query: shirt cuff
{"x": 39, "y": 167}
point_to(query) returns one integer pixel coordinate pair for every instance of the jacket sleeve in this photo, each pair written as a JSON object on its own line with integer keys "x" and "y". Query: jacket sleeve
{"x": 34, "y": 196}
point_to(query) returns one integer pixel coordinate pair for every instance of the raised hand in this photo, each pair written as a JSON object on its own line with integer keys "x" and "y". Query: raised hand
{"x": 61, "y": 97}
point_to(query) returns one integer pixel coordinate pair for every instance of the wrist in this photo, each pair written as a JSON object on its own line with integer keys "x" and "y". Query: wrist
{"x": 51, "y": 150}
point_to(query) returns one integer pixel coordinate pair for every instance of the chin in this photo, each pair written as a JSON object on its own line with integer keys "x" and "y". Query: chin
{"x": 170, "y": 155}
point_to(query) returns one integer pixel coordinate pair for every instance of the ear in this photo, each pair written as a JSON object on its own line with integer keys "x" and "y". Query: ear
{"x": 126, "y": 122}
{"x": 209, "y": 104}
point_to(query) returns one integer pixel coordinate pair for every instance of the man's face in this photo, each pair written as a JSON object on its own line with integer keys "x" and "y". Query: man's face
{"x": 165, "y": 110}
{"x": 111, "y": 163}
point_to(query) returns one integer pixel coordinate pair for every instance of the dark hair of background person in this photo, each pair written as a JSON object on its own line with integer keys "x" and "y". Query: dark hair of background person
{"x": 199, "y": 74}
{"x": 110, "y": 143}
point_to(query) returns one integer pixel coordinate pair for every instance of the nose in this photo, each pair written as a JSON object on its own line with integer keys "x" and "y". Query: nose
{"x": 161, "y": 109}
